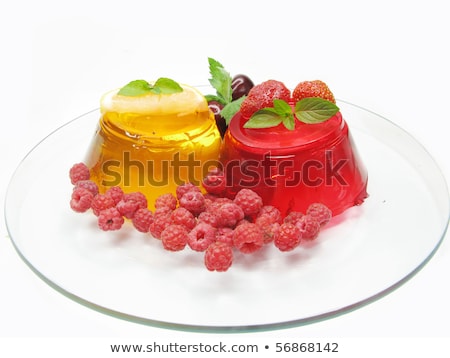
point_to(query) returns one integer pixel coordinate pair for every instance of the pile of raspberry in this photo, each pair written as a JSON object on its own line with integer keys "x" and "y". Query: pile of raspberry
{"x": 209, "y": 223}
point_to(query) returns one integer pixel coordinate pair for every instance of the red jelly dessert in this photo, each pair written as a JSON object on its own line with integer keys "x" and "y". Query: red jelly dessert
{"x": 293, "y": 168}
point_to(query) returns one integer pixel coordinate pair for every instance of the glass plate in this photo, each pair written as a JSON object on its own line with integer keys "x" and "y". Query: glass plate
{"x": 359, "y": 257}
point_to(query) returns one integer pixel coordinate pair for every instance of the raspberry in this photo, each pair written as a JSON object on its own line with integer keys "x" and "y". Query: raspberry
{"x": 262, "y": 96}
{"x": 89, "y": 185}
{"x": 248, "y": 238}
{"x": 182, "y": 216}
{"x": 184, "y": 188}
{"x": 110, "y": 219}
{"x": 101, "y": 202}
{"x": 166, "y": 200}
{"x": 250, "y": 202}
{"x": 225, "y": 234}
{"x": 130, "y": 203}
{"x": 268, "y": 226}
{"x": 81, "y": 200}
{"x": 315, "y": 88}
{"x": 288, "y": 238}
{"x": 215, "y": 182}
{"x": 142, "y": 220}
{"x": 79, "y": 172}
{"x": 174, "y": 237}
{"x": 161, "y": 219}
{"x": 201, "y": 236}
{"x": 293, "y": 217}
{"x": 320, "y": 212}
{"x": 216, "y": 204}
{"x": 272, "y": 213}
{"x": 309, "y": 227}
{"x": 210, "y": 218}
{"x": 194, "y": 201}
{"x": 116, "y": 193}
{"x": 218, "y": 257}
{"x": 229, "y": 214}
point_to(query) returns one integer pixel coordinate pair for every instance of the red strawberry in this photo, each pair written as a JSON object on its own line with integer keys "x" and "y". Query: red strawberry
{"x": 315, "y": 88}
{"x": 262, "y": 95}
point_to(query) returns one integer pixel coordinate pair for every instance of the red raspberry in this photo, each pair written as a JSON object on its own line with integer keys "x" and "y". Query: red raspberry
{"x": 184, "y": 188}
{"x": 174, "y": 237}
{"x": 293, "y": 217}
{"x": 110, "y": 219}
{"x": 229, "y": 214}
{"x": 213, "y": 206}
{"x": 309, "y": 227}
{"x": 315, "y": 88}
{"x": 248, "y": 238}
{"x": 81, "y": 200}
{"x": 142, "y": 220}
{"x": 130, "y": 203}
{"x": 194, "y": 201}
{"x": 262, "y": 96}
{"x": 250, "y": 202}
{"x": 166, "y": 200}
{"x": 101, "y": 202}
{"x": 288, "y": 237}
{"x": 116, "y": 193}
{"x": 218, "y": 257}
{"x": 161, "y": 219}
{"x": 320, "y": 212}
{"x": 210, "y": 218}
{"x": 272, "y": 213}
{"x": 201, "y": 236}
{"x": 182, "y": 216}
{"x": 225, "y": 234}
{"x": 215, "y": 182}
{"x": 268, "y": 226}
{"x": 89, "y": 185}
{"x": 79, "y": 172}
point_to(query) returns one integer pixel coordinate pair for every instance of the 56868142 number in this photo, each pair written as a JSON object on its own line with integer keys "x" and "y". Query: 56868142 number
{"x": 307, "y": 347}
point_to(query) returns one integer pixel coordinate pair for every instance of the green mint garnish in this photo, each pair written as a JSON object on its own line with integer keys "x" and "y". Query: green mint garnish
{"x": 220, "y": 80}
{"x": 141, "y": 87}
{"x": 315, "y": 110}
{"x": 307, "y": 110}
{"x": 231, "y": 108}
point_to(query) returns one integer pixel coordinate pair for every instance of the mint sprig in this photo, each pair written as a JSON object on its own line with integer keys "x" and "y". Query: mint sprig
{"x": 307, "y": 110}
{"x": 141, "y": 87}
{"x": 221, "y": 81}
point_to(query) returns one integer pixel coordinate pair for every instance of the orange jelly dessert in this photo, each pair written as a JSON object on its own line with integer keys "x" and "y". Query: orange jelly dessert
{"x": 153, "y": 141}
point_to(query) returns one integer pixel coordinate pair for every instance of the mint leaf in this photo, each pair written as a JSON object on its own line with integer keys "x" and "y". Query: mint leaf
{"x": 166, "y": 86}
{"x": 221, "y": 80}
{"x": 141, "y": 87}
{"x": 264, "y": 118}
{"x": 212, "y": 97}
{"x": 315, "y": 110}
{"x": 231, "y": 109}
{"x": 282, "y": 107}
{"x": 135, "y": 88}
{"x": 289, "y": 122}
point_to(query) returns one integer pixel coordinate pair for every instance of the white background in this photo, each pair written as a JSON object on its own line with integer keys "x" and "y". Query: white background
{"x": 58, "y": 58}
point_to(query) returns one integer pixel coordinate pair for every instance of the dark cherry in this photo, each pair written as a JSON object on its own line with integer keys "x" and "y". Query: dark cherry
{"x": 216, "y": 107}
{"x": 241, "y": 85}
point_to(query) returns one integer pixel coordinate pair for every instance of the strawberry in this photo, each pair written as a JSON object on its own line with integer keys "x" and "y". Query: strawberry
{"x": 262, "y": 96}
{"x": 315, "y": 88}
